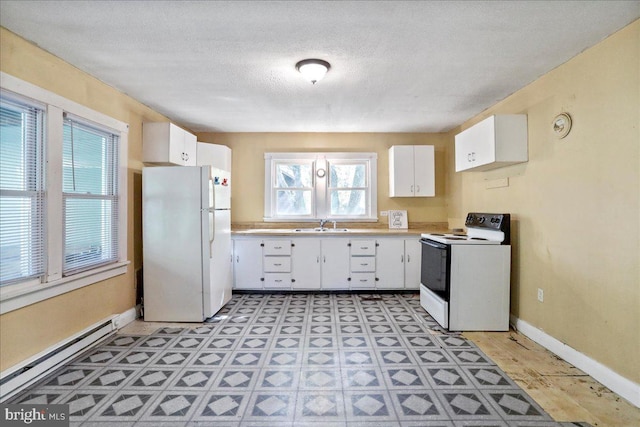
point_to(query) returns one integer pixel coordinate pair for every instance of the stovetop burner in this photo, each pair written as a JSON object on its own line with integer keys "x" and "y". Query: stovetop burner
{"x": 482, "y": 228}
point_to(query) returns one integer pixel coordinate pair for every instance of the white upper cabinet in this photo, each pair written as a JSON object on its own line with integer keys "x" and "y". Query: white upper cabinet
{"x": 167, "y": 144}
{"x": 412, "y": 171}
{"x": 218, "y": 156}
{"x": 497, "y": 141}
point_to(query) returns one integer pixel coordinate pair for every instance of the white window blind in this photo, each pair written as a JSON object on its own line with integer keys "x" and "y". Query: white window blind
{"x": 22, "y": 197}
{"x": 90, "y": 196}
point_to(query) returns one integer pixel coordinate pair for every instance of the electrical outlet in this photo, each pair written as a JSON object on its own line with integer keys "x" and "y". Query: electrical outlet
{"x": 540, "y": 295}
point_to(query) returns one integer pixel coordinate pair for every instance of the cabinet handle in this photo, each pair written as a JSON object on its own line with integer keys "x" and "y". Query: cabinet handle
{"x": 418, "y": 187}
{"x": 469, "y": 157}
{"x": 412, "y": 189}
{"x": 187, "y": 156}
{"x": 364, "y": 264}
{"x": 278, "y": 280}
{"x": 363, "y": 280}
{"x": 364, "y": 247}
{"x": 277, "y": 247}
{"x": 318, "y": 259}
{"x": 278, "y": 264}
{"x": 237, "y": 258}
{"x": 473, "y": 156}
{"x": 324, "y": 259}
{"x": 408, "y": 258}
{"x": 401, "y": 258}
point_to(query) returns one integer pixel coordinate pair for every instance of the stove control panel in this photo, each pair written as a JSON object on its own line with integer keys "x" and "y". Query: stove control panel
{"x": 499, "y": 222}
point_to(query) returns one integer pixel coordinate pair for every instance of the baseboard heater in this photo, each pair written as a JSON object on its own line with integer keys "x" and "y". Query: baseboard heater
{"x": 19, "y": 377}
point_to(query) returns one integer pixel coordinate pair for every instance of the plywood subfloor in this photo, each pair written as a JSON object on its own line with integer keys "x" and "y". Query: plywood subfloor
{"x": 565, "y": 392}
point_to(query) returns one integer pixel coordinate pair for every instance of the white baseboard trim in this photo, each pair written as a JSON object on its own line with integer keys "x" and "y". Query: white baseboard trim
{"x": 26, "y": 373}
{"x": 626, "y": 388}
{"x": 123, "y": 319}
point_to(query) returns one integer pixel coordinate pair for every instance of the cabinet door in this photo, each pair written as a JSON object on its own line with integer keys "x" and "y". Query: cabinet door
{"x": 475, "y": 146}
{"x": 190, "y": 149}
{"x": 218, "y": 156}
{"x": 424, "y": 167}
{"x": 306, "y": 261}
{"x": 247, "y": 264}
{"x": 401, "y": 174}
{"x": 412, "y": 258}
{"x": 390, "y": 260}
{"x": 463, "y": 148}
{"x": 176, "y": 145}
{"x": 484, "y": 150}
{"x": 335, "y": 263}
{"x": 164, "y": 143}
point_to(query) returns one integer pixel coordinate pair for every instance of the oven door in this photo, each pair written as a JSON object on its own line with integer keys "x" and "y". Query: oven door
{"x": 435, "y": 267}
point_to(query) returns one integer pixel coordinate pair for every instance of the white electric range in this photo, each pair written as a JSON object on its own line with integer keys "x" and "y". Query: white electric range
{"x": 465, "y": 277}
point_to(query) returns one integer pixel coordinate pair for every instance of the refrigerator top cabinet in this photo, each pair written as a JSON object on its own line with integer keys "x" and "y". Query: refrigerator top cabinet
{"x": 497, "y": 141}
{"x": 166, "y": 144}
{"x": 412, "y": 171}
{"x": 215, "y": 155}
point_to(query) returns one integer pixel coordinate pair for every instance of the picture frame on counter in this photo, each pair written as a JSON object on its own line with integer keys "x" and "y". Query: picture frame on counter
{"x": 398, "y": 220}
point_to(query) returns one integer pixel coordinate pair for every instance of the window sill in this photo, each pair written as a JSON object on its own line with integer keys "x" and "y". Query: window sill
{"x": 21, "y": 295}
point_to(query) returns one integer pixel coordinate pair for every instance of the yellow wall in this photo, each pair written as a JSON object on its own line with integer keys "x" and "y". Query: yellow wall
{"x": 575, "y": 203}
{"x": 248, "y": 167}
{"x": 29, "y": 330}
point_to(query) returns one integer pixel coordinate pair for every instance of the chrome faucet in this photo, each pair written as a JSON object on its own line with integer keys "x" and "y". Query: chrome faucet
{"x": 322, "y": 223}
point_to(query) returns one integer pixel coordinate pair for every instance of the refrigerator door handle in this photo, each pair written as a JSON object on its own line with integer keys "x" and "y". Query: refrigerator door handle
{"x": 211, "y": 211}
{"x": 212, "y": 229}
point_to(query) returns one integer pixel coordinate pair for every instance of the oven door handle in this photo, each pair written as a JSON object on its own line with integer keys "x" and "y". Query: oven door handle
{"x": 433, "y": 244}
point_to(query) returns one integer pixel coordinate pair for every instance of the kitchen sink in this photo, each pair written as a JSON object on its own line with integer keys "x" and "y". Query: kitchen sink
{"x": 318, "y": 230}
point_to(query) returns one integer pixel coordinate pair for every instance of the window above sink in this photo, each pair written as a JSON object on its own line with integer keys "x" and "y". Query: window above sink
{"x": 314, "y": 186}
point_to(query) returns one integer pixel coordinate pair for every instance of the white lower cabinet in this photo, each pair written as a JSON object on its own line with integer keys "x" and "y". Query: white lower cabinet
{"x": 391, "y": 263}
{"x": 276, "y": 263}
{"x": 332, "y": 263}
{"x": 306, "y": 264}
{"x": 412, "y": 259}
{"x": 335, "y": 263}
{"x": 398, "y": 263}
{"x": 247, "y": 263}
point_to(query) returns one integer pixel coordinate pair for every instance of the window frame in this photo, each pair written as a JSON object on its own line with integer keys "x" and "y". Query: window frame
{"x": 35, "y": 191}
{"x": 16, "y": 296}
{"x": 321, "y": 200}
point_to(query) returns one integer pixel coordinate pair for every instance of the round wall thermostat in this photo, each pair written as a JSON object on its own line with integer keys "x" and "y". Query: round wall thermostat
{"x": 561, "y": 125}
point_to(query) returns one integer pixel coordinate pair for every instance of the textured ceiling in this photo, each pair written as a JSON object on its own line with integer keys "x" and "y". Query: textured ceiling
{"x": 397, "y": 66}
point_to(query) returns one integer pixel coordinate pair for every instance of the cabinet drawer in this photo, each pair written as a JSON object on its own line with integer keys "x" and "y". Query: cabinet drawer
{"x": 361, "y": 264}
{"x": 277, "y": 247}
{"x": 277, "y": 280}
{"x": 363, "y": 247}
{"x": 363, "y": 280}
{"x": 277, "y": 264}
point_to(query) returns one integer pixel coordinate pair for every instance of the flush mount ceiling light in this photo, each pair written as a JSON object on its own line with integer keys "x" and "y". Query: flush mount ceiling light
{"x": 313, "y": 69}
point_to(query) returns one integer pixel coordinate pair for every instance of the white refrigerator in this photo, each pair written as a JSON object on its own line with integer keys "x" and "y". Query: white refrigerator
{"x": 186, "y": 233}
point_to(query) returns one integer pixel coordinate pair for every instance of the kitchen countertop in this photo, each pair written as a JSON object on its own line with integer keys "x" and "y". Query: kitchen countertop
{"x": 329, "y": 232}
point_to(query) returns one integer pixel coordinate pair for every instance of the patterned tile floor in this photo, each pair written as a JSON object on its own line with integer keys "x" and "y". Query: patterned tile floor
{"x": 293, "y": 360}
